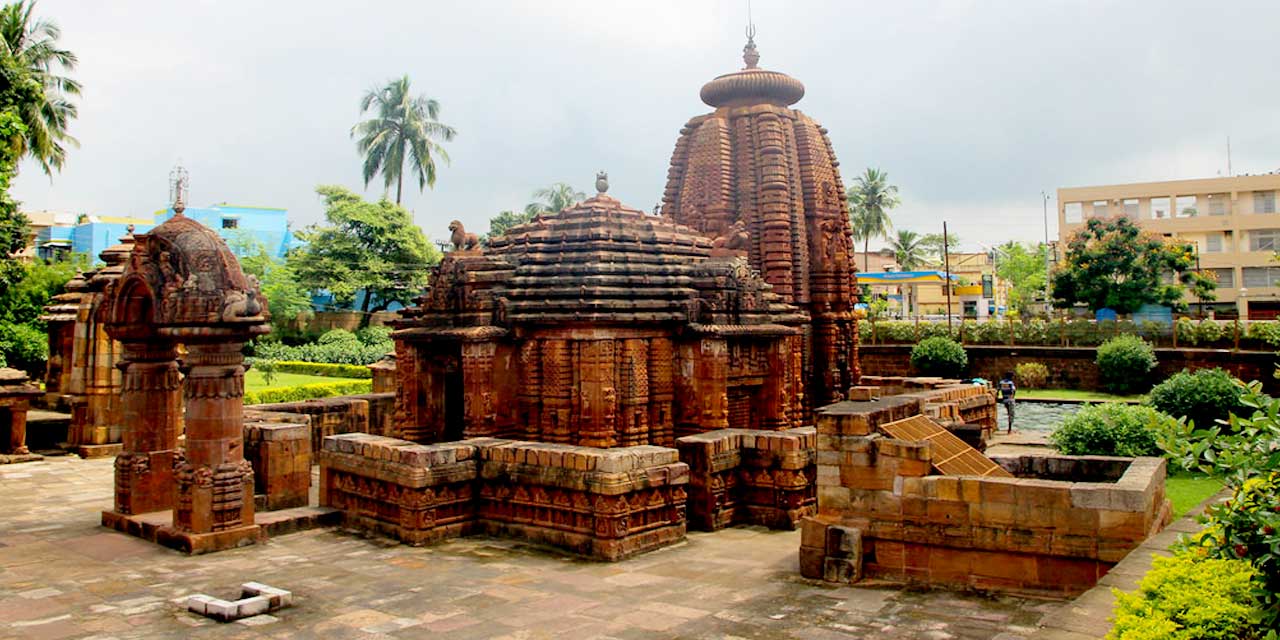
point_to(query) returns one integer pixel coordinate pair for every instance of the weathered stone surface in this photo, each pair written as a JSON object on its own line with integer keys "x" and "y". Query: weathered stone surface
{"x": 739, "y": 476}
{"x": 16, "y": 395}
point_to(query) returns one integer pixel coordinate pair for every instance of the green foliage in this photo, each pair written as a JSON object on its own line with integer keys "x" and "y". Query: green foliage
{"x": 933, "y": 246}
{"x": 326, "y": 369}
{"x": 367, "y": 246}
{"x": 1111, "y": 429}
{"x": 1114, "y": 264}
{"x": 31, "y": 89}
{"x": 1031, "y": 375}
{"x": 337, "y": 346}
{"x": 870, "y": 199}
{"x": 36, "y": 283}
{"x": 1203, "y": 396}
{"x": 268, "y": 370}
{"x": 1022, "y": 266}
{"x": 1188, "y": 597}
{"x": 308, "y": 391}
{"x": 939, "y": 356}
{"x": 24, "y": 347}
{"x": 553, "y": 200}
{"x": 404, "y": 128}
{"x": 908, "y": 251}
{"x": 1125, "y": 363}
{"x": 287, "y": 299}
{"x": 499, "y": 224}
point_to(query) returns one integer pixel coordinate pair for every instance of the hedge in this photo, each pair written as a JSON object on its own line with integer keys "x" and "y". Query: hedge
{"x": 323, "y": 369}
{"x": 308, "y": 391}
{"x": 1260, "y": 335}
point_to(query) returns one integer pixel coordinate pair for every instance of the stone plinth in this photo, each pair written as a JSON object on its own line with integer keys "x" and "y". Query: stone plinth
{"x": 606, "y": 504}
{"x": 281, "y": 457}
{"x": 882, "y": 512}
{"x": 329, "y": 416}
{"x": 15, "y": 400}
{"x": 739, "y": 476}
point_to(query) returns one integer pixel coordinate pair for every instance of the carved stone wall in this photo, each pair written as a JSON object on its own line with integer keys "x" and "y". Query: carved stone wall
{"x": 739, "y": 476}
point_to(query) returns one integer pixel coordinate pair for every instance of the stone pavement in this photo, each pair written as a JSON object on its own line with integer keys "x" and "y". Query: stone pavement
{"x": 63, "y": 576}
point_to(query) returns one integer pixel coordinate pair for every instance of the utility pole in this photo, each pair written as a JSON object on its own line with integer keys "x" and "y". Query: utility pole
{"x": 1047, "y": 285}
{"x": 946, "y": 262}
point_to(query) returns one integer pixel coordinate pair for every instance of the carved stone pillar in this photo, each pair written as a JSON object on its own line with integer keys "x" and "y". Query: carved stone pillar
{"x": 151, "y": 407}
{"x": 214, "y": 507}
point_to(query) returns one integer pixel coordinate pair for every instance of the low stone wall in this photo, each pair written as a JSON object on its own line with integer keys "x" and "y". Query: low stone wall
{"x": 1073, "y": 367}
{"x": 280, "y": 452}
{"x": 382, "y": 412}
{"x": 606, "y": 504}
{"x": 882, "y": 515}
{"x": 740, "y": 476}
{"x": 328, "y": 416}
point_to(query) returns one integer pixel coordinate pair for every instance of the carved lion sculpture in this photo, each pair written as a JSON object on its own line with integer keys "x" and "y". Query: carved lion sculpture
{"x": 736, "y": 237}
{"x": 461, "y": 239}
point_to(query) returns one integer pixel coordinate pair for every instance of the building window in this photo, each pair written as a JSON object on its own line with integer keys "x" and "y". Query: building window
{"x": 1074, "y": 212}
{"x": 1100, "y": 208}
{"x": 1186, "y": 207}
{"x": 1264, "y": 240}
{"x": 230, "y": 223}
{"x": 1260, "y": 277}
{"x": 1131, "y": 208}
{"x": 1264, "y": 202}
{"x": 1226, "y": 277}
{"x": 1218, "y": 204}
{"x": 1160, "y": 208}
{"x": 1213, "y": 243}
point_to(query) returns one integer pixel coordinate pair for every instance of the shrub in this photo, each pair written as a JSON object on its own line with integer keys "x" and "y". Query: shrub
{"x": 308, "y": 391}
{"x": 24, "y": 347}
{"x": 337, "y": 346}
{"x": 1111, "y": 429}
{"x": 320, "y": 369}
{"x": 939, "y": 356}
{"x": 1031, "y": 375}
{"x": 1209, "y": 332}
{"x": 1245, "y": 454}
{"x": 1187, "y": 597}
{"x": 1203, "y": 396}
{"x": 1125, "y": 363}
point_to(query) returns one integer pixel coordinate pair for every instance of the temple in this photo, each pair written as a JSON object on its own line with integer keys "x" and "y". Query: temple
{"x": 758, "y": 173}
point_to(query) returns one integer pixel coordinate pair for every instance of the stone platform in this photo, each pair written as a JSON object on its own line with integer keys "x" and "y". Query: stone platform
{"x": 64, "y": 576}
{"x": 157, "y": 527}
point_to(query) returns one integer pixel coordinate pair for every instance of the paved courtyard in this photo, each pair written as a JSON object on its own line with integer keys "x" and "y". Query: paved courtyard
{"x": 63, "y": 576}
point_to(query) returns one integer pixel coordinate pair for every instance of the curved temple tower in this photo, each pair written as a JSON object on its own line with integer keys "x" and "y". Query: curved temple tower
{"x": 757, "y": 168}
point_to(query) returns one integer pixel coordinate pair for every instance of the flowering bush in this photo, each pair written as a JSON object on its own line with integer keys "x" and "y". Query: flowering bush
{"x": 1188, "y": 597}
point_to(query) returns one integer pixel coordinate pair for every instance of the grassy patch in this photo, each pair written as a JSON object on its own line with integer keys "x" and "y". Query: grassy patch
{"x": 1074, "y": 394}
{"x": 253, "y": 380}
{"x": 1186, "y": 491}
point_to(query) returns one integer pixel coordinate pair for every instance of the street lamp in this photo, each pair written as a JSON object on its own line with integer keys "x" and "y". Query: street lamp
{"x": 1048, "y": 305}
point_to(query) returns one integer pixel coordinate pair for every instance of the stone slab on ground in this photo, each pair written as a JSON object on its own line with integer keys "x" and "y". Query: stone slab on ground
{"x": 82, "y": 580}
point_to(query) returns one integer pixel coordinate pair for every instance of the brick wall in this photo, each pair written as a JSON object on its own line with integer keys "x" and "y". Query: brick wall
{"x": 1073, "y": 367}
{"x": 741, "y": 476}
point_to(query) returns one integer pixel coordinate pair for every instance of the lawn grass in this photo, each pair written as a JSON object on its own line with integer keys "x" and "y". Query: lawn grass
{"x": 1075, "y": 394}
{"x": 1186, "y": 491}
{"x": 253, "y": 380}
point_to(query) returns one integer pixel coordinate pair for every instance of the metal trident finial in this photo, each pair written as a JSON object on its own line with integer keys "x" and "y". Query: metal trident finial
{"x": 749, "y": 53}
{"x": 179, "y": 182}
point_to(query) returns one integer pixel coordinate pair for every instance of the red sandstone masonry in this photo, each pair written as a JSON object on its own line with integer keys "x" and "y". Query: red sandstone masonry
{"x": 740, "y": 476}
{"x": 881, "y": 513}
{"x": 280, "y": 453}
{"x": 606, "y": 504}
{"x": 329, "y": 416}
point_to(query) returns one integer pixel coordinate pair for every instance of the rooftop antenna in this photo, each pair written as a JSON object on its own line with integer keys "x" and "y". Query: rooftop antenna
{"x": 179, "y": 184}
{"x": 749, "y": 53}
{"x": 1229, "y": 174}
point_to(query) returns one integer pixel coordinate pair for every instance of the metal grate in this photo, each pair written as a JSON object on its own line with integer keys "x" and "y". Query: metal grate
{"x": 951, "y": 456}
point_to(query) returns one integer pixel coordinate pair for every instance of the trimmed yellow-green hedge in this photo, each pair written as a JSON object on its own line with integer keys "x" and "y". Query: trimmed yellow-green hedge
{"x": 308, "y": 391}
{"x": 323, "y": 369}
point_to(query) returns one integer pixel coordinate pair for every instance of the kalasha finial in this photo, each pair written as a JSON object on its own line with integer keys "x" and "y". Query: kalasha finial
{"x": 602, "y": 182}
{"x": 179, "y": 182}
{"x": 128, "y": 231}
{"x": 749, "y": 53}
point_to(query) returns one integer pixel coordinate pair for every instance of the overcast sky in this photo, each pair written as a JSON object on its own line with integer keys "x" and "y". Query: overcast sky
{"x": 973, "y": 108}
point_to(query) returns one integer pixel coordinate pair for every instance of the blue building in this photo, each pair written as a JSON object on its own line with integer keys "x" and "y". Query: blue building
{"x": 267, "y": 225}
{"x": 92, "y": 234}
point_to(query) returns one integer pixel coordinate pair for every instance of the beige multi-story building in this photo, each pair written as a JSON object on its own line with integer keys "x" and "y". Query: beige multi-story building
{"x": 1233, "y": 222}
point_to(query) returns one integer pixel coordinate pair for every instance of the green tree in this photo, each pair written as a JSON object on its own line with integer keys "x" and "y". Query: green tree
{"x": 366, "y": 246}
{"x": 907, "y": 249}
{"x": 22, "y": 301}
{"x": 33, "y": 86}
{"x": 403, "y": 128}
{"x": 1114, "y": 264}
{"x": 553, "y": 200}
{"x": 870, "y": 199}
{"x": 499, "y": 224}
{"x": 286, "y": 297}
{"x": 933, "y": 245}
{"x": 1022, "y": 267}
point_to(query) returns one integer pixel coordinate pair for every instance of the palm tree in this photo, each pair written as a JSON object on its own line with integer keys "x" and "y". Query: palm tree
{"x": 553, "y": 199}
{"x": 907, "y": 249}
{"x": 401, "y": 124}
{"x": 870, "y": 200}
{"x": 42, "y": 98}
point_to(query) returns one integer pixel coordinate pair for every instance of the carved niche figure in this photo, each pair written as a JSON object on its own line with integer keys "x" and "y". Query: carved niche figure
{"x": 461, "y": 239}
{"x": 735, "y": 238}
